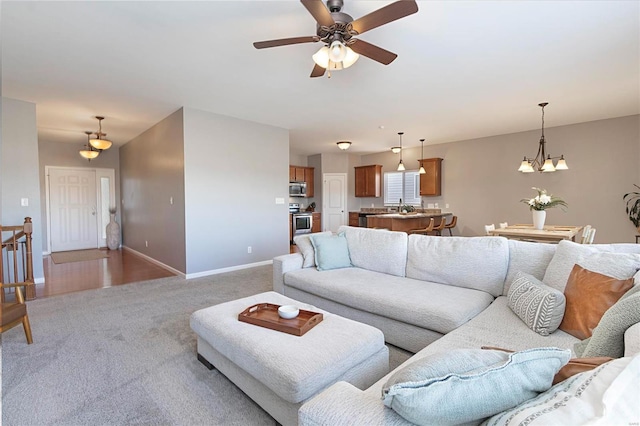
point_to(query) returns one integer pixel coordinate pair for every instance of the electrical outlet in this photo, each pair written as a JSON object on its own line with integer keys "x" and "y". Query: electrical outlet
{"x": 146, "y": 243}
{"x": 24, "y": 202}
{"x": 249, "y": 249}
{"x": 446, "y": 206}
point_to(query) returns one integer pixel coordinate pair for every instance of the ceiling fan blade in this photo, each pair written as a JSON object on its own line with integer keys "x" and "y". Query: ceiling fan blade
{"x": 284, "y": 42}
{"x": 318, "y": 71}
{"x": 384, "y": 15}
{"x": 319, "y": 11}
{"x": 372, "y": 51}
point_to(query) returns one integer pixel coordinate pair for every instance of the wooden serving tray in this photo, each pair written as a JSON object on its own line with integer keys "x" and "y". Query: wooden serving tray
{"x": 266, "y": 315}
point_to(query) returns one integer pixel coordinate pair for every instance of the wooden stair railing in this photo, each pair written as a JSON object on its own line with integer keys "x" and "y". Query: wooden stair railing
{"x": 16, "y": 264}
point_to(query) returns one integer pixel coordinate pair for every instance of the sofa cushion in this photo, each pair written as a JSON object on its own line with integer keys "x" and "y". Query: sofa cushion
{"x": 479, "y": 263}
{"x": 589, "y": 295}
{"x": 468, "y": 385}
{"x": 377, "y": 250}
{"x": 606, "y": 395}
{"x": 306, "y": 248}
{"x": 331, "y": 252}
{"x": 437, "y": 307}
{"x": 539, "y": 306}
{"x": 608, "y": 337}
{"x": 616, "y": 260}
{"x": 528, "y": 257}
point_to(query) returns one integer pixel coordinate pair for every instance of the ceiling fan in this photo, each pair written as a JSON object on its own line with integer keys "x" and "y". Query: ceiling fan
{"x": 337, "y": 31}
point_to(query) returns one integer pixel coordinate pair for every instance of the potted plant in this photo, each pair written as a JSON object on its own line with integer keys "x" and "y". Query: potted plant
{"x": 633, "y": 207}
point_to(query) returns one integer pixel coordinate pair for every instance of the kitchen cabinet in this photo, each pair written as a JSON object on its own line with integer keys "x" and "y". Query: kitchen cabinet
{"x": 303, "y": 174}
{"x": 431, "y": 182}
{"x": 368, "y": 181}
{"x": 354, "y": 219}
{"x": 316, "y": 222}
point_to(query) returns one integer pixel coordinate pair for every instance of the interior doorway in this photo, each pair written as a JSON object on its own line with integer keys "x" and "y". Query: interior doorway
{"x": 334, "y": 201}
{"x": 77, "y": 204}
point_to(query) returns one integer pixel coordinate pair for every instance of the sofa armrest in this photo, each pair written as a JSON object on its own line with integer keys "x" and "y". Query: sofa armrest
{"x": 632, "y": 340}
{"x": 282, "y": 265}
{"x": 344, "y": 404}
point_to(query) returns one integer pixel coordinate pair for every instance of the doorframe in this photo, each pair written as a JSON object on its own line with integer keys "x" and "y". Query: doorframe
{"x": 345, "y": 198}
{"x": 100, "y": 173}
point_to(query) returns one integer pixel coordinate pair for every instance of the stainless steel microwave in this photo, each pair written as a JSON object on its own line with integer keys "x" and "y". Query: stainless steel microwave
{"x": 297, "y": 189}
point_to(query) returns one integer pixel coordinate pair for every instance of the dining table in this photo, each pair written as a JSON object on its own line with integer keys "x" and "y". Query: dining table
{"x": 548, "y": 234}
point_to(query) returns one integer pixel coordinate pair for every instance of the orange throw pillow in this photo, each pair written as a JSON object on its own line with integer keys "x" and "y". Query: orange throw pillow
{"x": 589, "y": 295}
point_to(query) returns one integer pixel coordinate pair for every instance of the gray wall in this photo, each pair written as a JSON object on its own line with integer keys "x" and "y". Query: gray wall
{"x": 481, "y": 184}
{"x": 151, "y": 173}
{"x": 234, "y": 171}
{"x": 66, "y": 155}
{"x": 20, "y": 177}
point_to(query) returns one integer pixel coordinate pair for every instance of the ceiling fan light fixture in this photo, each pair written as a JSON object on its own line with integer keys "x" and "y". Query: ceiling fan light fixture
{"x": 343, "y": 145}
{"x": 350, "y": 58}
{"x": 321, "y": 57}
{"x": 337, "y": 51}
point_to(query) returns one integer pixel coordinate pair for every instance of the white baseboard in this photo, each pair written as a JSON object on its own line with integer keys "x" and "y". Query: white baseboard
{"x": 154, "y": 261}
{"x": 229, "y": 269}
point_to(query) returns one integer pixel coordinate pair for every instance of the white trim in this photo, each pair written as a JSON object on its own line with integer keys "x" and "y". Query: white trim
{"x": 229, "y": 269}
{"x": 46, "y": 253}
{"x": 154, "y": 261}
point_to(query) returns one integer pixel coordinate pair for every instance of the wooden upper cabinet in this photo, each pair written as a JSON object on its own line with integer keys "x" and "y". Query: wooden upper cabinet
{"x": 308, "y": 177}
{"x": 296, "y": 174}
{"x": 303, "y": 174}
{"x": 431, "y": 182}
{"x": 369, "y": 181}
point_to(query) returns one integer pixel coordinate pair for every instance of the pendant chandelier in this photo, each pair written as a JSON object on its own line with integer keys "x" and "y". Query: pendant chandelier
{"x": 89, "y": 152}
{"x": 401, "y": 164}
{"x": 95, "y": 145}
{"x": 422, "y": 171}
{"x": 542, "y": 162}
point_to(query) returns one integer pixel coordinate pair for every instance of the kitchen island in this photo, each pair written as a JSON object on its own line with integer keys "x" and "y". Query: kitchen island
{"x": 404, "y": 222}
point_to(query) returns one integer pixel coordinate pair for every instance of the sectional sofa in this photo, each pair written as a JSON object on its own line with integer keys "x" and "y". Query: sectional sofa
{"x": 430, "y": 295}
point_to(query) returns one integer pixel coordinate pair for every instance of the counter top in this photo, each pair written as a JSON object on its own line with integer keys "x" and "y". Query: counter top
{"x": 410, "y": 216}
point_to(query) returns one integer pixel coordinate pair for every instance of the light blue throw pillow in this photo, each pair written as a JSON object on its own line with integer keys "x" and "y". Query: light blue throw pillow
{"x": 469, "y": 385}
{"x": 331, "y": 251}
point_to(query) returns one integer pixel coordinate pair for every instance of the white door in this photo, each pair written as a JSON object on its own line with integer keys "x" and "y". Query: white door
{"x": 334, "y": 201}
{"x": 72, "y": 206}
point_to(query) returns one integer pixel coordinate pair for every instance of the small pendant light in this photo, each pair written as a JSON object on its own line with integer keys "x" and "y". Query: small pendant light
{"x": 422, "y": 171}
{"x": 401, "y": 164}
{"x": 89, "y": 153}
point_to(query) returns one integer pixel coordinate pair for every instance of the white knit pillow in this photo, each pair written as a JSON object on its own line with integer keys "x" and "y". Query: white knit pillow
{"x": 539, "y": 306}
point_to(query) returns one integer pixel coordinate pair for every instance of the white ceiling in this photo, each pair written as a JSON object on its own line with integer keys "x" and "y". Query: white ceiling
{"x": 465, "y": 69}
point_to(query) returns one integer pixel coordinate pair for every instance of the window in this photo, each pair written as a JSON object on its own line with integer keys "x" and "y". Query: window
{"x": 405, "y": 185}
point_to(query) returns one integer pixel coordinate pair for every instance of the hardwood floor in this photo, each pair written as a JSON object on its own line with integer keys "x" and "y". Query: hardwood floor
{"x": 120, "y": 267}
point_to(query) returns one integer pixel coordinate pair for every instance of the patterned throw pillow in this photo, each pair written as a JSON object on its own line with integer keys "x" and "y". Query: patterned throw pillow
{"x": 539, "y": 306}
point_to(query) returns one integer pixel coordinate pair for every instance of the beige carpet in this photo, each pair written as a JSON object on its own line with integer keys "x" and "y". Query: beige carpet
{"x": 78, "y": 256}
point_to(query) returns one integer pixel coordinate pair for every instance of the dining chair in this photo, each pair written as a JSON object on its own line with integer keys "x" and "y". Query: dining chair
{"x": 489, "y": 228}
{"x": 503, "y": 225}
{"x": 449, "y": 226}
{"x": 585, "y": 234}
{"x": 424, "y": 231}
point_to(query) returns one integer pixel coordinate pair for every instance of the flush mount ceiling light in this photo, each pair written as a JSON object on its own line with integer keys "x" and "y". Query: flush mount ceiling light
{"x": 396, "y": 149}
{"x": 542, "y": 162}
{"x": 400, "y": 164}
{"x": 422, "y": 171}
{"x": 343, "y": 145}
{"x": 100, "y": 142}
{"x": 89, "y": 152}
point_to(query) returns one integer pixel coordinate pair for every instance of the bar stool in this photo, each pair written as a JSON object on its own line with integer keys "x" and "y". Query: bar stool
{"x": 424, "y": 231}
{"x": 438, "y": 229}
{"x": 451, "y": 225}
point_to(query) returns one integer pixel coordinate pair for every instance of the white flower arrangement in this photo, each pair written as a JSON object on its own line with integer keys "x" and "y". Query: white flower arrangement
{"x": 544, "y": 201}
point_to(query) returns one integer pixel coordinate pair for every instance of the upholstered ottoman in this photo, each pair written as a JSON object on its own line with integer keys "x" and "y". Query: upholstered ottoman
{"x": 280, "y": 371}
